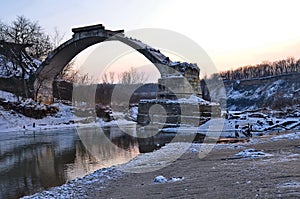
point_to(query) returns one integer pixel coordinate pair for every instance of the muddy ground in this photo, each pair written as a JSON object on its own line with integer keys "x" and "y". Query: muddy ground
{"x": 221, "y": 174}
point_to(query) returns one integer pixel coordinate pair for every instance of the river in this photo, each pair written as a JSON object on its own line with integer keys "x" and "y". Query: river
{"x": 34, "y": 161}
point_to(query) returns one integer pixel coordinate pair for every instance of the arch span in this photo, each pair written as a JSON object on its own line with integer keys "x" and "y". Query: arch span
{"x": 83, "y": 38}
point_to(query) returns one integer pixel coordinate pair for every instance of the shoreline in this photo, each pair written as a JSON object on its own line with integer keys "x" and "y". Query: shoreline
{"x": 116, "y": 183}
{"x": 42, "y": 127}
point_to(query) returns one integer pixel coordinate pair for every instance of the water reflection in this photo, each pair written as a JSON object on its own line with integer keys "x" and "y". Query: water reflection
{"x": 105, "y": 147}
{"x": 32, "y": 162}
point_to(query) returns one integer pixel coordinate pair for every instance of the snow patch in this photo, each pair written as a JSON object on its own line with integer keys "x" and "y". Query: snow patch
{"x": 8, "y": 96}
{"x": 79, "y": 188}
{"x": 12, "y": 121}
{"x": 157, "y": 159}
{"x": 252, "y": 153}
{"x": 289, "y": 136}
{"x": 176, "y": 179}
{"x": 195, "y": 99}
{"x": 191, "y": 100}
{"x": 162, "y": 179}
{"x": 133, "y": 112}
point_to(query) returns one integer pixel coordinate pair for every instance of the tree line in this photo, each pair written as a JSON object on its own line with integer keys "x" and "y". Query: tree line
{"x": 265, "y": 69}
{"x": 130, "y": 76}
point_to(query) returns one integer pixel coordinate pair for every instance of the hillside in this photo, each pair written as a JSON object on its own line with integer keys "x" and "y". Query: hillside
{"x": 276, "y": 92}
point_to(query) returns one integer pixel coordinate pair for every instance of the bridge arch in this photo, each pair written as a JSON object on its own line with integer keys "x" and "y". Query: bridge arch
{"x": 83, "y": 38}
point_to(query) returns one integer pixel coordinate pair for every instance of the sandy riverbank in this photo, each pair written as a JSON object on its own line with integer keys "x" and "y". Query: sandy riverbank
{"x": 271, "y": 170}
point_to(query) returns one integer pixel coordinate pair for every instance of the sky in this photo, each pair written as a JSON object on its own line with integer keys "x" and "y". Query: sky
{"x": 233, "y": 33}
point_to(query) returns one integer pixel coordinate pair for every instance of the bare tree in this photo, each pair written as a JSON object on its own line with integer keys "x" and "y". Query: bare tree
{"x": 73, "y": 75}
{"x": 69, "y": 73}
{"x": 85, "y": 79}
{"x": 23, "y": 31}
{"x": 132, "y": 76}
{"x": 112, "y": 77}
{"x": 3, "y": 30}
{"x": 108, "y": 78}
{"x": 105, "y": 79}
{"x": 56, "y": 38}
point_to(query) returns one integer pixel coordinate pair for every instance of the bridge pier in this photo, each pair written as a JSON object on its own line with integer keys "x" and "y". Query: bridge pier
{"x": 44, "y": 91}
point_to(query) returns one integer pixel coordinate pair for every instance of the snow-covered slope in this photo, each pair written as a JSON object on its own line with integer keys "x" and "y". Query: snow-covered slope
{"x": 274, "y": 92}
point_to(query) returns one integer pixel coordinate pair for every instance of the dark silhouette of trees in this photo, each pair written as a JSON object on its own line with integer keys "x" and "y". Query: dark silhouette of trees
{"x": 265, "y": 69}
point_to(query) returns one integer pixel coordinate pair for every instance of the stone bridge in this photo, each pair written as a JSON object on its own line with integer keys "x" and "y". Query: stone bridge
{"x": 83, "y": 38}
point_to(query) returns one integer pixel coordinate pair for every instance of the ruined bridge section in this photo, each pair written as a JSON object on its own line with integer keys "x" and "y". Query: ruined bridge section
{"x": 61, "y": 56}
{"x": 85, "y": 37}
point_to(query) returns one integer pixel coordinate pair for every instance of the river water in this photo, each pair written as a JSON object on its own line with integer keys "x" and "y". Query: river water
{"x": 34, "y": 161}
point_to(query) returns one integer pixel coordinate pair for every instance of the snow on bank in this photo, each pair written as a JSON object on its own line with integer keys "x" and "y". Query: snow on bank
{"x": 157, "y": 159}
{"x": 8, "y": 96}
{"x": 235, "y": 124}
{"x": 252, "y": 153}
{"x": 191, "y": 100}
{"x": 194, "y": 99}
{"x": 12, "y": 121}
{"x": 290, "y": 136}
{"x": 81, "y": 187}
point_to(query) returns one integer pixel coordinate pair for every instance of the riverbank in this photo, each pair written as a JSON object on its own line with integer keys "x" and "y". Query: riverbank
{"x": 234, "y": 124}
{"x": 266, "y": 167}
{"x": 64, "y": 119}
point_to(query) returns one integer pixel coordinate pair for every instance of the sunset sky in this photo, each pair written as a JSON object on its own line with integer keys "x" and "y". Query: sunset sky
{"x": 233, "y": 32}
